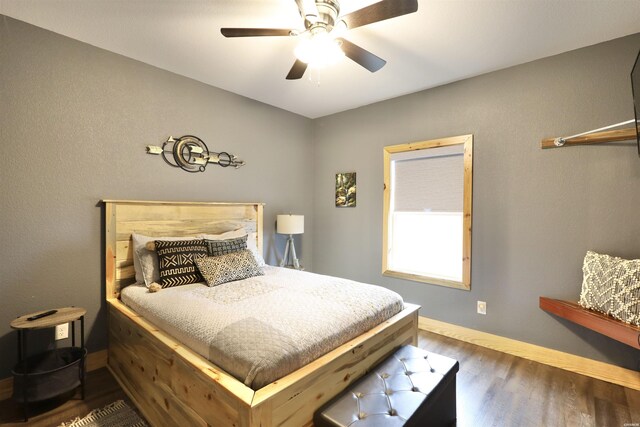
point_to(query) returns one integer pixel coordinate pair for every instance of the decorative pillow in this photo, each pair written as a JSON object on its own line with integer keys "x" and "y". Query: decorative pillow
{"x": 611, "y": 285}
{"x": 223, "y": 247}
{"x": 228, "y": 268}
{"x": 176, "y": 260}
{"x": 252, "y": 242}
{"x": 145, "y": 261}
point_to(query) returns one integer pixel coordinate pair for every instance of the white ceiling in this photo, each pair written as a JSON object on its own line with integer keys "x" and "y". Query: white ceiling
{"x": 445, "y": 41}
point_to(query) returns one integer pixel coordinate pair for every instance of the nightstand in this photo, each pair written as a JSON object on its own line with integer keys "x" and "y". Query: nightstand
{"x": 48, "y": 374}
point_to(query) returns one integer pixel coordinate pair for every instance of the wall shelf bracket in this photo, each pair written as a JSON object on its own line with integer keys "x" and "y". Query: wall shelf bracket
{"x": 596, "y": 136}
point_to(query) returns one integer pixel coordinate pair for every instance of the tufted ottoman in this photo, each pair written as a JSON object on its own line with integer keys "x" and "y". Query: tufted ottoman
{"x": 412, "y": 387}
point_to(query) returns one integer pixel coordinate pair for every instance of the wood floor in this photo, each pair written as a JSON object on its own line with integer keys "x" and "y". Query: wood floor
{"x": 497, "y": 389}
{"x": 101, "y": 389}
{"x": 494, "y": 389}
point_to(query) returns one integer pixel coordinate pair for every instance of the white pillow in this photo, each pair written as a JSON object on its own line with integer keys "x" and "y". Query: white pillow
{"x": 252, "y": 242}
{"x": 252, "y": 245}
{"x": 240, "y": 232}
{"x": 145, "y": 262}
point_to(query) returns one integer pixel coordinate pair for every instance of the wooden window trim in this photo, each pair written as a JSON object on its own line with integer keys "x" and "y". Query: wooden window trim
{"x": 467, "y": 141}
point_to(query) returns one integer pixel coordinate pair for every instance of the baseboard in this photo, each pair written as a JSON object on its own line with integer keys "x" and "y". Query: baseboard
{"x": 95, "y": 360}
{"x": 569, "y": 362}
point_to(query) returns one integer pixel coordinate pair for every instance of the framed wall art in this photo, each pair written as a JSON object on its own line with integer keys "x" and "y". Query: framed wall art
{"x": 346, "y": 190}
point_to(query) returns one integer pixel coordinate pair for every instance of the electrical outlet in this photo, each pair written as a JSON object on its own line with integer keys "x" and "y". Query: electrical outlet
{"x": 62, "y": 331}
{"x": 482, "y": 307}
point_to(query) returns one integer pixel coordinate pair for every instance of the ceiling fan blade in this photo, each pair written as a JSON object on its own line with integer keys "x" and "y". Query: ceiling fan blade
{"x": 304, "y": 12}
{"x": 380, "y": 11}
{"x": 300, "y": 4}
{"x": 297, "y": 71}
{"x": 361, "y": 56}
{"x": 254, "y": 32}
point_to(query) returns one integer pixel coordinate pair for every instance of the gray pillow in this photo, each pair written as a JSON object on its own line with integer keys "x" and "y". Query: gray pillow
{"x": 611, "y": 285}
{"x": 252, "y": 242}
{"x": 217, "y": 270}
{"x": 223, "y": 247}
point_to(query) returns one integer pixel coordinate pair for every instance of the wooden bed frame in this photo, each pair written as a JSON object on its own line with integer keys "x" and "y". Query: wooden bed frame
{"x": 172, "y": 385}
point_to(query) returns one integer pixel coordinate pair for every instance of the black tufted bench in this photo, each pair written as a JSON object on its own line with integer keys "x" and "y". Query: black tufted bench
{"x": 411, "y": 388}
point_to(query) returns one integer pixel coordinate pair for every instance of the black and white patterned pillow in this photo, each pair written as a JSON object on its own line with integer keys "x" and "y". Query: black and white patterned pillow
{"x": 223, "y": 247}
{"x": 228, "y": 268}
{"x": 611, "y": 285}
{"x": 176, "y": 260}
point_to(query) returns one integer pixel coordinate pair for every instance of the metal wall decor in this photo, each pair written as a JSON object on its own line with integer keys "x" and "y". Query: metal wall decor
{"x": 191, "y": 154}
{"x": 346, "y": 190}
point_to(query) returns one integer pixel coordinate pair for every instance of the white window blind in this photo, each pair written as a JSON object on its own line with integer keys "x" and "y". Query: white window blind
{"x": 428, "y": 180}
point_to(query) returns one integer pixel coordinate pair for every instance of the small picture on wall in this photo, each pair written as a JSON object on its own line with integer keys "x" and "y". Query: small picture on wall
{"x": 346, "y": 190}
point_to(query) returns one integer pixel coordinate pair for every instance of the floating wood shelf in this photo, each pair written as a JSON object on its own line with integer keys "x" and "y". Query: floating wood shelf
{"x": 626, "y": 134}
{"x": 593, "y": 320}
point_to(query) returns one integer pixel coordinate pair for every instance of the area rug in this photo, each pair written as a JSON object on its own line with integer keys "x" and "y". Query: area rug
{"x": 116, "y": 414}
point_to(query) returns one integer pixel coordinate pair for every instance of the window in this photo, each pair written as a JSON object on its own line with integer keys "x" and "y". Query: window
{"x": 427, "y": 211}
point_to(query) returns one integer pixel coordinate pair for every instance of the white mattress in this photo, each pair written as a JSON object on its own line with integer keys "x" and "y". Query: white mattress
{"x": 262, "y": 328}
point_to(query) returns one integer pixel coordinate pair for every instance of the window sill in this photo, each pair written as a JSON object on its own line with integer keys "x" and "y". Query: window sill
{"x": 426, "y": 279}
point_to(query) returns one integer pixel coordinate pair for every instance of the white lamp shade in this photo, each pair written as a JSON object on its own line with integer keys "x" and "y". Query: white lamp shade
{"x": 290, "y": 224}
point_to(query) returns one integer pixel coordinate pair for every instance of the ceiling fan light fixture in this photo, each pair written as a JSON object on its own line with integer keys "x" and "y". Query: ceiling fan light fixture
{"x": 339, "y": 29}
{"x": 319, "y": 50}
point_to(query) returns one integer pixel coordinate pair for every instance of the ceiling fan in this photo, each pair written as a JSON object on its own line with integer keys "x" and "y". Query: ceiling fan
{"x": 324, "y": 26}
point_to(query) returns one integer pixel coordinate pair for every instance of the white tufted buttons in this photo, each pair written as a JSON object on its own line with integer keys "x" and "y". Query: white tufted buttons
{"x": 394, "y": 392}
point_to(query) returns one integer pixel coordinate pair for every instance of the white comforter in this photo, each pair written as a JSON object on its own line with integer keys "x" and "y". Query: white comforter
{"x": 262, "y": 328}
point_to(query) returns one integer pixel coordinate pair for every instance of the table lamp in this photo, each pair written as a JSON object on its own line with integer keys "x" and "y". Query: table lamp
{"x": 290, "y": 224}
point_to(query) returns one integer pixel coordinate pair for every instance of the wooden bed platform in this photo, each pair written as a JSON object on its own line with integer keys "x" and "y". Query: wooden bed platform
{"x": 174, "y": 386}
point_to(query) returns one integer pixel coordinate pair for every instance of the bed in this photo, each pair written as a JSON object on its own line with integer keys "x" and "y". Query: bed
{"x": 170, "y": 382}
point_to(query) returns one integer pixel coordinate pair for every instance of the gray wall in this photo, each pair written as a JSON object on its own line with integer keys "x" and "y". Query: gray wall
{"x": 74, "y": 124}
{"x": 535, "y": 212}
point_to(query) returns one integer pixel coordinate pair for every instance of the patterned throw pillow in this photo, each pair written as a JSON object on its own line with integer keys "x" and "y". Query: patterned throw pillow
{"x": 176, "y": 261}
{"x": 223, "y": 247}
{"x": 611, "y": 285}
{"x": 145, "y": 261}
{"x": 228, "y": 268}
{"x": 252, "y": 241}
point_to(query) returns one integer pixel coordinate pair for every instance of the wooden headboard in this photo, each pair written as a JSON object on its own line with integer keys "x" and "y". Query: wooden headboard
{"x": 158, "y": 219}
